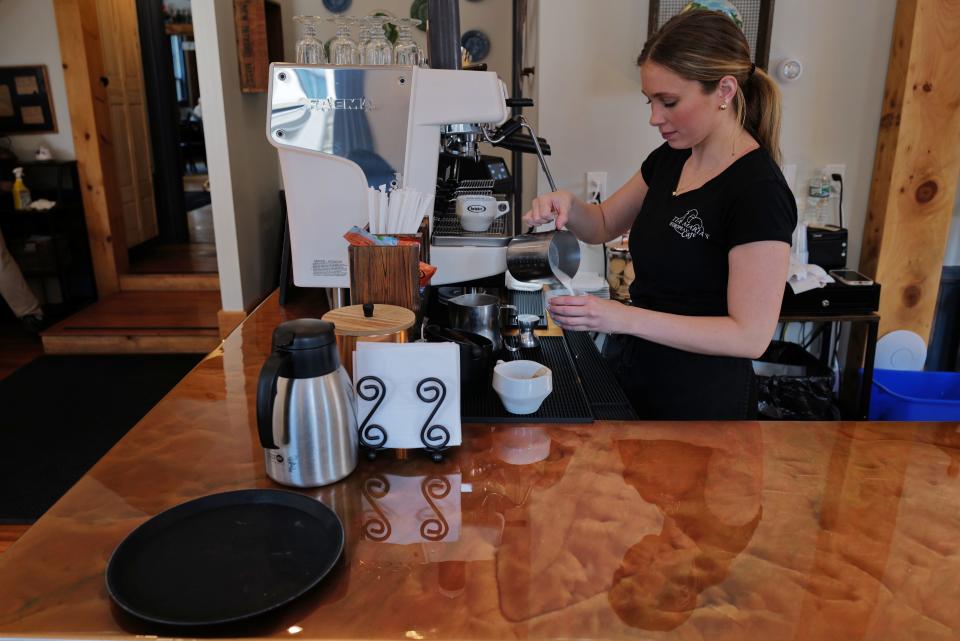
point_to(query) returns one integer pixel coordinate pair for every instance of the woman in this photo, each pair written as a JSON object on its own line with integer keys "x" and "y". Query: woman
{"x": 710, "y": 218}
{"x": 17, "y": 293}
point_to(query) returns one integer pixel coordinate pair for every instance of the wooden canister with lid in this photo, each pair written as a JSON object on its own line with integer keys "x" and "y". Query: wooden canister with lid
{"x": 368, "y": 322}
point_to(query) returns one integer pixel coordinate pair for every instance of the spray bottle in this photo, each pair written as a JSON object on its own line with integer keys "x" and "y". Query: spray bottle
{"x": 21, "y": 195}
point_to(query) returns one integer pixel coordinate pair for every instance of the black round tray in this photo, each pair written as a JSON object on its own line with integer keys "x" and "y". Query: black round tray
{"x": 224, "y": 558}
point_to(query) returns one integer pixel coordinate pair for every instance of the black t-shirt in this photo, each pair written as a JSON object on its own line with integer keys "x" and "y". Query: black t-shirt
{"x": 679, "y": 244}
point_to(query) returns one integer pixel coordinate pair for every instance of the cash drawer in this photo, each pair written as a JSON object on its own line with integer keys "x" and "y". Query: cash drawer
{"x": 832, "y": 300}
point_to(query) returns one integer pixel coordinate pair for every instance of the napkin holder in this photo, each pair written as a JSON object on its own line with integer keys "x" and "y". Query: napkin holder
{"x": 408, "y": 397}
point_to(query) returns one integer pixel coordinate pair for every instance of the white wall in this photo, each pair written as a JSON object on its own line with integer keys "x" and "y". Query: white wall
{"x": 28, "y": 36}
{"x": 952, "y": 256}
{"x": 595, "y": 117}
{"x": 242, "y": 164}
{"x": 590, "y": 107}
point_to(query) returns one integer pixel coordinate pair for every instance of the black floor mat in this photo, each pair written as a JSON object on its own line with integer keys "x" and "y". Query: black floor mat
{"x": 607, "y": 399}
{"x": 60, "y": 414}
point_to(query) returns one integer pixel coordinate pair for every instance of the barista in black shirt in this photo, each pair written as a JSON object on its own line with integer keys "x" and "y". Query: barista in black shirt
{"x": 710, "y": 219}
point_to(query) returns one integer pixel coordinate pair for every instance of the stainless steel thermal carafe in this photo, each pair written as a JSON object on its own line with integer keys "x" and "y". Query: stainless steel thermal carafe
{"x": 306, "y": 415}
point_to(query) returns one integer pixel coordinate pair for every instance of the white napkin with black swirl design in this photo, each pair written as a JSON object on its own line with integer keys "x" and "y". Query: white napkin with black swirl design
{"x": 405, "y": 369}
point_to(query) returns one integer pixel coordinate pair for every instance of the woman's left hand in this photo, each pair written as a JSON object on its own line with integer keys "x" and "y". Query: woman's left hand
{"x": 588, "y": 314}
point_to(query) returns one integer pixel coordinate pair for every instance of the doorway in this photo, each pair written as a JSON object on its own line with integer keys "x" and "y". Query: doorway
{"x": 183, "y": 241}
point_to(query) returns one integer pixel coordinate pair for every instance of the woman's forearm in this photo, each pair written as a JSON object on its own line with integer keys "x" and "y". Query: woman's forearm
{"x": 714, "y": 335}
{"x": 586, "y": 222}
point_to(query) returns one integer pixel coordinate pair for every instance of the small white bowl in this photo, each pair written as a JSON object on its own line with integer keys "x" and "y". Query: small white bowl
{"x": 519, "y": 392}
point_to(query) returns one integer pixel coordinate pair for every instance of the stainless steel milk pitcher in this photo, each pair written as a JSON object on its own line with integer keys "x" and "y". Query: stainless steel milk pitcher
{"x": 536, "y": 257}
{"x": 480, "y": 314}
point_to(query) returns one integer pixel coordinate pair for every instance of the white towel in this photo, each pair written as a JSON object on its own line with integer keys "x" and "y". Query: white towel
{"x": 803, "y": 277}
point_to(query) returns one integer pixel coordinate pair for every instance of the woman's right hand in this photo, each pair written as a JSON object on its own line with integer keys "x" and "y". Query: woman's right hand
{"x": 554, "y": 206}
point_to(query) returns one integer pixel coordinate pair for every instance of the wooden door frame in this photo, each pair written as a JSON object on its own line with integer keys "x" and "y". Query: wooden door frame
{"x": 84, "y": 76}
{"x": 164, "y": 124}
{"x": 83, "y": 72}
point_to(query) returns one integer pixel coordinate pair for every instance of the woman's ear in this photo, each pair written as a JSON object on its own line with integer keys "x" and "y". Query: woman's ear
{"x": 727, "y": 89}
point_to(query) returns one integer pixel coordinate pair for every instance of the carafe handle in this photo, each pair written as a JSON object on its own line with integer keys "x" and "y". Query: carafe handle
{"x": 266, "y": 392}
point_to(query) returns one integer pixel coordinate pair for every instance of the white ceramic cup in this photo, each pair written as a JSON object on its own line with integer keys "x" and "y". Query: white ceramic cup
{"x": 476, "y": 212}
{"x": 518, "y": 390}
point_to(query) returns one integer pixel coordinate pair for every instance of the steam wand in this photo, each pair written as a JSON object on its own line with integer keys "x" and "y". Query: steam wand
{"x": 508, "y": 130}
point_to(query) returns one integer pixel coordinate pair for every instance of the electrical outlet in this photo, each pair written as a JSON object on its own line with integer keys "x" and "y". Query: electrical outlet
{"x": 836, "y": 169}
{"x": 596, "y": 186}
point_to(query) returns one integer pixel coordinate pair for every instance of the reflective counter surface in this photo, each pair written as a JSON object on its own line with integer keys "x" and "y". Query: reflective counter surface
{"x": 601, "y": 531}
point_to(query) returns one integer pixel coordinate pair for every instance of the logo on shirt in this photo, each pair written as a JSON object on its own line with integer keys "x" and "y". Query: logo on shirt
{"x": 689, "y": 225}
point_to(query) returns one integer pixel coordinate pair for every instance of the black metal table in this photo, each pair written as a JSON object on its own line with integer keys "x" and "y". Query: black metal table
{"x": 872, "y": 321}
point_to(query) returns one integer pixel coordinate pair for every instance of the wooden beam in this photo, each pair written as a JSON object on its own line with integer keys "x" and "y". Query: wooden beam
{"x": 79, "y": 35}
{"x": 917, "y": 165}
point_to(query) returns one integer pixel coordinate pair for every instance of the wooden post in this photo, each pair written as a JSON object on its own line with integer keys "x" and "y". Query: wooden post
{"x": 90, "y": 119}
{"x": 916, "y": 167}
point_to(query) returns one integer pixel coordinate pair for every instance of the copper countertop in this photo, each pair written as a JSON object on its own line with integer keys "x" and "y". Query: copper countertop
{"x": 603, "y": 531}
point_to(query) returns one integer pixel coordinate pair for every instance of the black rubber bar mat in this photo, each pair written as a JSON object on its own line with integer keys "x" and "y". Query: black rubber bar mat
{"x": 605, "y": 395}
{"x": 566, "y": 404}
{"x": 528, "y": 303}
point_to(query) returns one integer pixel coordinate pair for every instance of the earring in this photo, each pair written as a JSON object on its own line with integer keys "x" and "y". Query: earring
{"x": 723, "y": 107}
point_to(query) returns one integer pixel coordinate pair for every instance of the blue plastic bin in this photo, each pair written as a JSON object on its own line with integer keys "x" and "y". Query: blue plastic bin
{"x": 915, "y": 396}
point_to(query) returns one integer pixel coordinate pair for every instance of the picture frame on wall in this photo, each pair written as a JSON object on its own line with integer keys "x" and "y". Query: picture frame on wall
{"x": 756, "y": 16}
{"x": 26, "y": 106}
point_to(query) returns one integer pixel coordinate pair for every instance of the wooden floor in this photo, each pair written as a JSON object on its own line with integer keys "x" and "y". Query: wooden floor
{"x": 186, "y": 258}
{"x": 140, "y": 322}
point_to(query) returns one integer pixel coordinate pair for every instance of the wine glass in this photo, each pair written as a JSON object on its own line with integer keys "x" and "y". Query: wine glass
{"x": 363, "y": 37}
{"x": 406, "y": 51}
{"x": 309, "y": 46}
{"x": 378, "y": 50}
{"x": 343, "y": 49}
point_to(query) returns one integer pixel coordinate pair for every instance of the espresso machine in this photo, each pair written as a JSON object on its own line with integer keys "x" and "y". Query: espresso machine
{"x": 341, "y": 129}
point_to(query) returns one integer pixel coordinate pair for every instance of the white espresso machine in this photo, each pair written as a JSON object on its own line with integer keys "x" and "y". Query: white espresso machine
{"x": 341, "y": 129}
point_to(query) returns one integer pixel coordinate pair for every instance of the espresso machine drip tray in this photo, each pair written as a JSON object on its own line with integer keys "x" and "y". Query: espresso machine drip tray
{"x": 446, "y": 228}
